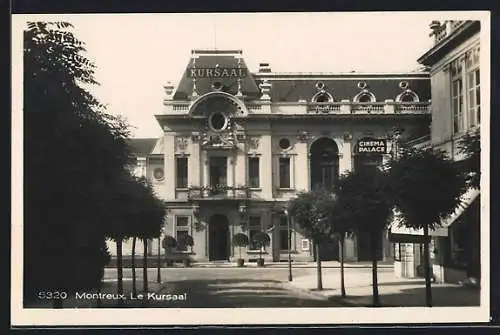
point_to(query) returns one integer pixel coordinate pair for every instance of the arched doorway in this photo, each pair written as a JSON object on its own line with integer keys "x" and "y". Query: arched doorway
{"x": 324, "y": 167}
{"x": 218, "y": 238}
{"x": 324, "y": 163}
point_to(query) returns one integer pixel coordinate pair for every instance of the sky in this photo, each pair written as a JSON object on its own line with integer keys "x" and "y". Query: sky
{"x": 137, "y": 54}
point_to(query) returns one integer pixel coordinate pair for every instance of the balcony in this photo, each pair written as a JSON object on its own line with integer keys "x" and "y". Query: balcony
{"x": 218, "y": 192}
{"x": 364, "y": 108}
{"x": 442, "y": 30}
{"x": 342, "y": 108}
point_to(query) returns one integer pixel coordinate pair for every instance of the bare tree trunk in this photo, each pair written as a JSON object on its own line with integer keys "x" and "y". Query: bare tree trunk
{"x": 342, "y": 282}
{"x": 134, "y": 282}
{"x": 428, "y": 291}
{"x": 158, "y": 259}
{"x": 374, "y": 246}
{"x": 318, "y": 266}
{"x": 145, "y": 267}
{"x": 119, "y": 265}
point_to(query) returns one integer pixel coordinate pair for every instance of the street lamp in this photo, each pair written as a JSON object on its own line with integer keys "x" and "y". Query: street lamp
{"x": 289, "y": 246}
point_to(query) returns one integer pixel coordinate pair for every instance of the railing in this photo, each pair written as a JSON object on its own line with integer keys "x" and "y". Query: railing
{"x": 218, "y": 192}
{"x": 176, "y": 107}
{"x": 367, "y": 107}
{"x": 323, "y": 107}
{"x": 445, "y": 29}
{"x": 412, "y": 107}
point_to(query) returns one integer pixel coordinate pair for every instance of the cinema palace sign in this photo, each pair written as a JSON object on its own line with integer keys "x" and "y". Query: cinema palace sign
{"x": 372, "y": 146}
{"x": 217, "y": 72}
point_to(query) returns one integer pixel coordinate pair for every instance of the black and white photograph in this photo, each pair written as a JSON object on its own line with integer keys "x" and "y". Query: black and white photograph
{"x": 250, "y": 168}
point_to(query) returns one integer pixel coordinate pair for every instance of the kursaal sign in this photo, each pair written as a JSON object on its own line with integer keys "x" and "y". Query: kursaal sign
{"x": 372, "y": 146}
{"x": 217, "y": 72}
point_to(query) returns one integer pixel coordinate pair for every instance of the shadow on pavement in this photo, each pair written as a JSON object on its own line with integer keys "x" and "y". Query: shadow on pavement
{"x": 415, "y": 297}
{"x": 240, "y": 293}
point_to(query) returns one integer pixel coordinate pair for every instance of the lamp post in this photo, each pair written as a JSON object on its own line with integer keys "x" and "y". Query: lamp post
{"x": 289, "y": 246}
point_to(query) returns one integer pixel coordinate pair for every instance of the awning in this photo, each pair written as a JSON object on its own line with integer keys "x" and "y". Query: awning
{"x": 400, "y": 234}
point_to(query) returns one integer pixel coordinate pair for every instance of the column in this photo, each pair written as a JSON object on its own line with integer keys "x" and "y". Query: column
{"x": 302, "y": 164}
{"x": 345, "y": 155}
{"x": 241, "y": 165}
{"x": 267, "y": 166}
{"x": 204, "y": 168}
{"x": 195, "y": 166}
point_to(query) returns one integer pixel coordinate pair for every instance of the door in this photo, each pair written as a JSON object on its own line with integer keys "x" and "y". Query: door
{"x": 218, "y": 238}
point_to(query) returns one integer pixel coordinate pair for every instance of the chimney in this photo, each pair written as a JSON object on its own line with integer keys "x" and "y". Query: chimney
{"x": 264, "y": 68}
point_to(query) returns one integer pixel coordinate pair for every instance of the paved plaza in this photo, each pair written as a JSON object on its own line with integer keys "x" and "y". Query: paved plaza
{"x": 232, "y": 287}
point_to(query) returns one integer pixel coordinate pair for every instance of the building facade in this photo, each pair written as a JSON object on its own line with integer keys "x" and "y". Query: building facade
{"x": 237, "y": 145}
{"x": 454, "y": 65}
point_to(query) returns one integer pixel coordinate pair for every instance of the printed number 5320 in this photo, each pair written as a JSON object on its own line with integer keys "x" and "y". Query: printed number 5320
{"x": 52, "y": 295}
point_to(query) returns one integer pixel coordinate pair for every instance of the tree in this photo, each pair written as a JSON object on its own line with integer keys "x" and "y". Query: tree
{"x": 427, "y": 187}
{"x": 240, "y": 240}
{"x": 364, "y": 203}
{"x": 312, "y": 212}
{"x": 261, "y": 240}
{"x": 168, "y": 243}
{"x": 342, "y": 227}
{"x": 153, "y": 213}
{"x": 73, "y": 150}
{"x": 470, "y": 146}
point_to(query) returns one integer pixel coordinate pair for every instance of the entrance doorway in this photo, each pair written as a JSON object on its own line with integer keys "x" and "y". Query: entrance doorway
{"x": 218, "y": 238}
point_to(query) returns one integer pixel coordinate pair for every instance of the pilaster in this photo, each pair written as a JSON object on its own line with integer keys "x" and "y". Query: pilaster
{"x": 345, "y": 157}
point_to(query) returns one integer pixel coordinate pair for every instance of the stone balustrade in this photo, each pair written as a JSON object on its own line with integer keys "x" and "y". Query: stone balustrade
{"x": 321, "y": 108}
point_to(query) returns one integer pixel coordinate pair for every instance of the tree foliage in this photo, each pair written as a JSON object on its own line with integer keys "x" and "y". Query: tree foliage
{"x": 364, "y": 201}
{"x": 470, "y": 146}
{"x": 427, "y": 186}
{"x": 77, "y": 188}
{"x": 313, "y": 212}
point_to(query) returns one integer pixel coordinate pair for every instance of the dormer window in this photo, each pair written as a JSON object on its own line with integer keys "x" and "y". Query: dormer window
{"x": 323, "y": 97}
{"x": 364, "y": 98}
{"x": 407, "y": 96}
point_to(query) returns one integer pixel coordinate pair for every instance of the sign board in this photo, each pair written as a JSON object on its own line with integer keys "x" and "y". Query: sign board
{"x": 372, "y": 146}
{"x": 217, "y": 72}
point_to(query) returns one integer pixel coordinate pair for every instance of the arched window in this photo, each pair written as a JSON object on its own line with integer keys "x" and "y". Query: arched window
{"x": 407, "y": 96}
{"x": 322, "y": 97}
{"x": 365, "y": 96}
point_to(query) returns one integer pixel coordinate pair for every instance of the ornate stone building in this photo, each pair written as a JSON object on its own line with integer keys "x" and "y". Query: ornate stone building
{"x": 454, "y": 63}
{"x": 237, "y": 145}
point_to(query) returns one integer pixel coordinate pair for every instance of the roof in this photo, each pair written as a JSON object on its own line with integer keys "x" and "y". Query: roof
{"x": 142, "y": 146}
{"x": 292, "y": 87}
{"x": 204, "y": 85}
{"x": 342, "y": 88}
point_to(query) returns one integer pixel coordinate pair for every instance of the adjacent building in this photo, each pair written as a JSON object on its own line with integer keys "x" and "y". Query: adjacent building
{"x": 238, "y": 144}
{"x": 454, "y": 63}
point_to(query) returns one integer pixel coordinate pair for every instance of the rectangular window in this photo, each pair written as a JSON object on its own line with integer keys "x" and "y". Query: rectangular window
{"x": 284, "y": 172}
{"x": 182, "y": 172}
{"x": 253, "y": 228}
{"x": 181, "y": 230}
{"x": 473, "y": 98}
{"x": 457, "y": 102}
{"x": 253, "y": 172}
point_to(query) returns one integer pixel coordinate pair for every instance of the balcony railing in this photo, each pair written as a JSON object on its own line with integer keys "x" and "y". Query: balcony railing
{"x": 322, "y": 108}
{"x": 218, "y": 192}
